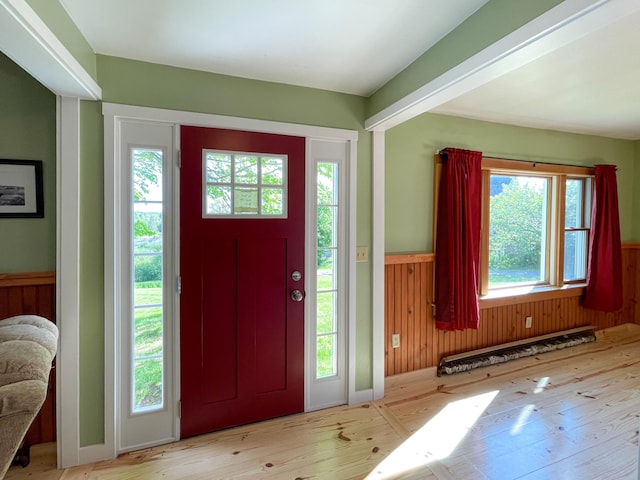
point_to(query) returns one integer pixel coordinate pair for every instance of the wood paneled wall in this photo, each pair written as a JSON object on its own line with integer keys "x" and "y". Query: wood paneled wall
{"x": 408, "y": 312}
{"x": 33, "y": 293}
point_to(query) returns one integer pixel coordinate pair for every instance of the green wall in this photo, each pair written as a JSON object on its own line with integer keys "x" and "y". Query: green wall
{"x": 28, "y": 132}
{"x": 410, "y": 149}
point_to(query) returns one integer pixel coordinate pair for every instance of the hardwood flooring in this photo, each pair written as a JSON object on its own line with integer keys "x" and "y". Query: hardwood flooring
{"x": 569, "y": 414}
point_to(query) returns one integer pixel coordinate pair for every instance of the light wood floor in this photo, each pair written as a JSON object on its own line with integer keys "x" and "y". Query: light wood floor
{"x": 571, "y": 414}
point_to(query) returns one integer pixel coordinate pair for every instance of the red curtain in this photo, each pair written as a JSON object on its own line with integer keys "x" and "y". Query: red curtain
{"x": 458, "y": 240}
{"x": 604, "y": 276}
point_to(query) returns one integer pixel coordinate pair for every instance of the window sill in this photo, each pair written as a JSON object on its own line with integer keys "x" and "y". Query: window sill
{"x": 514, "y": 296}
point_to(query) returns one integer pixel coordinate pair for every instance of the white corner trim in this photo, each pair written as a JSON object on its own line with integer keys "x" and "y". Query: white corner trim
{"x": 361, "y": 396}
{"x": 112, "y": 196}
{"x": 27, "y": 40}
{"x": 559, "y": 26}
{"x": 378, "y": 250}
{"x": 68, "y": 279}
{"x": 93, "y": 453}
{"x": 352, "y": 394}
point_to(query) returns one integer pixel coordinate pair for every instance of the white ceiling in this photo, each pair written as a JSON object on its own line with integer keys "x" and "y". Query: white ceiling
{"x": 350, "y": 46}
{"x": 589, "y": 85}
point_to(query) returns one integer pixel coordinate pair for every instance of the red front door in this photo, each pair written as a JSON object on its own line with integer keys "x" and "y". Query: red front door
{"x": 241, "y": 333}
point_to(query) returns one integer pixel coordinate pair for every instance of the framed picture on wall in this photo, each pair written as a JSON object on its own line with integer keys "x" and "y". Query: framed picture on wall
{"x": 21, "y": 189}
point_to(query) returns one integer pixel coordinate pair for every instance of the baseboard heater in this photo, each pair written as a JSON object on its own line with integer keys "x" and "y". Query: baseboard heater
{"x": 463, "y": 362}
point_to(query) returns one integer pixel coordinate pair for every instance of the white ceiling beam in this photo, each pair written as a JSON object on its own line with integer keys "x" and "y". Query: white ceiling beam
{"x": 27, "y": 40}
{"x": 563, "y": 24}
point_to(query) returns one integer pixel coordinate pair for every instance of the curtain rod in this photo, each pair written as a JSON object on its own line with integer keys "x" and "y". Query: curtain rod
{"x": 443, "y": 154}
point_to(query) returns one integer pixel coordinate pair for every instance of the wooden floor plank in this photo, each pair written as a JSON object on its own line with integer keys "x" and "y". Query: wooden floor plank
{"x": 563, "y": 414}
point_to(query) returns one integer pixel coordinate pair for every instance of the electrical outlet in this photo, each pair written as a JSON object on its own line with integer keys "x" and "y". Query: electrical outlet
{"x": 362, "y": 254}
{"x": 527, "y": 322}
{"x": 395, "y": 340}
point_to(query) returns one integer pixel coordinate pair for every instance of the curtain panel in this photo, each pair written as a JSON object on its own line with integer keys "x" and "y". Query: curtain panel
{"x": 458, "y": 240}
{"x": 604, "y": 275}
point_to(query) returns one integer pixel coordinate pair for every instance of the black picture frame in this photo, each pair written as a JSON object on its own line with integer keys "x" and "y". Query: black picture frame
{"x": 21, "y": 193}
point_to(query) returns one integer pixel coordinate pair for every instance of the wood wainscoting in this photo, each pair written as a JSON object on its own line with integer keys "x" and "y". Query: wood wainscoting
{"x": 33, "y": 293}
{"x": 409, "y": 313}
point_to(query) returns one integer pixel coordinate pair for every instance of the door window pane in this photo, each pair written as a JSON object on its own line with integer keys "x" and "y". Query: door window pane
{"x": 147, "y": 358}
{"x": 272, "y": 171}
{"x": 246, "y": 170}
{"x": 218, "y": 168}
{"x": 245, "y": 200}
{"x": 518, "y": 225}
{"x": 272, "y": 201}
{"x": 240, "y": 185}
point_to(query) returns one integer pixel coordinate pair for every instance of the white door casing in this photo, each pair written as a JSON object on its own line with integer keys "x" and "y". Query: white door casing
{"x": 322, "y": 144}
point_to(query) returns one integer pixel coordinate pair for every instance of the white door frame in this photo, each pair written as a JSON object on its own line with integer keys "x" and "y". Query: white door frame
{"x": 113, "y": 115}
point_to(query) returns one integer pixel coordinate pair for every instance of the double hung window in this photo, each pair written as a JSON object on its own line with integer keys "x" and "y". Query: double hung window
{"x": 536, "y": 221}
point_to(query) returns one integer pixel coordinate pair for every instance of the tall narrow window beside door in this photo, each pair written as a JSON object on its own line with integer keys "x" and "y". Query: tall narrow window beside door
{"x": 147, "y": 362}
{"x": 327, "y": 270}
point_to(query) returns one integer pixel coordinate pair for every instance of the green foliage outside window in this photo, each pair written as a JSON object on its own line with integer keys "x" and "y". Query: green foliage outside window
{"x": 517, "y": 229}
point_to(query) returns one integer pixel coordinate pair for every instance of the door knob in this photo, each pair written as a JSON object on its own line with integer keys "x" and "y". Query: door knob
{"x": 297, "y": 295}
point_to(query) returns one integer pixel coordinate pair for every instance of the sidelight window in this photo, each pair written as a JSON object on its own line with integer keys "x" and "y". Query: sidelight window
{"x": 327, "y": 270}
{"x": 147, "y": 271}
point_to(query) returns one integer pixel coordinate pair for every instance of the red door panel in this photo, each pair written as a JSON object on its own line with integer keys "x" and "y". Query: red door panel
{"x": 241, "y": 335}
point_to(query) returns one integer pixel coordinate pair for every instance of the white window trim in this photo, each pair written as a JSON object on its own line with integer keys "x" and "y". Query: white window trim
{"x": 113, "y": 114}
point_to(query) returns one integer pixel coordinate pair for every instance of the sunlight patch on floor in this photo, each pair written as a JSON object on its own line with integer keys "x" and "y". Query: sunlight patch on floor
{"x": 436, "y": 439}
{"x": 526, "y": 412}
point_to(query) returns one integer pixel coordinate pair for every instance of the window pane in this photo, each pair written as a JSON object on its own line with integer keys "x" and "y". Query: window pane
{"x": 327, "y": 181}
{"x": 246, "y": 170}
{"x": 575, "y": 255}
{"x": 148, "y": 331}
{"x": 327, "y": 226}
{"x": 272, "y": 201}
{"x": 148, "y": 384}
{"x": 245, "y": 200}
{"x": 147, "y": 174}
{"x": 326, "y": 356}
{"x": 218, "y": 200}
{"x": 218, "y": 168}
{"x": 147, "y": 293}
{"x": 272, "y": 171}
{"x": 326, "y": 264}
{"x": 326, "y": 321}
{"x": 517, "y": 230}
{"x": 573, "y": 204}
{"x": 147, "y": 229}
{"x": 147, "y": 268}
